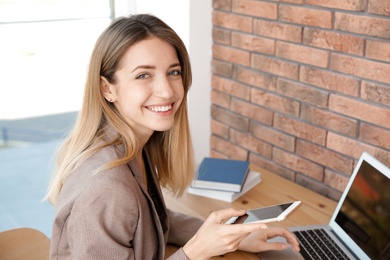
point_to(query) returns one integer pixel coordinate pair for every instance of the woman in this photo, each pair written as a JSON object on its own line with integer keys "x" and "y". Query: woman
{"x": 132, "y": 135}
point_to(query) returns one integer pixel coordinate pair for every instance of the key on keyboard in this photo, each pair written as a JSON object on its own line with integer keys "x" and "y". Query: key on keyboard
{"x": 317, "y": 244}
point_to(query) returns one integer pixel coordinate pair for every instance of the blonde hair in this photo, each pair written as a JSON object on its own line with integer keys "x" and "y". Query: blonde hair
{"x": 171, "y": 151}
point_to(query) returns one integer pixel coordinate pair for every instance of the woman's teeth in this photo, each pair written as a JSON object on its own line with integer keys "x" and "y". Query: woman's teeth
{"x": 160, "y": 108}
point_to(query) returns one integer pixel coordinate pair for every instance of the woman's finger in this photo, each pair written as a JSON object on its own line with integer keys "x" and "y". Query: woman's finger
{"x": 247, "y": 228}
{"x": 221, "y": 216}
{"x": 274, "y": 246}
{"x": 290, "y": 237}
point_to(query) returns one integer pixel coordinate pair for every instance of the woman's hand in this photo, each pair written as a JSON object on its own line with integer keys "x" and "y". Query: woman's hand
{"x": 257, "y": 241}
{"x": 215, "y": 237}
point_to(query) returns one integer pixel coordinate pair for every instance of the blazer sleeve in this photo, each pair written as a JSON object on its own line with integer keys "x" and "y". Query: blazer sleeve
{"x": 178, "y": 255}
{"x": 182, "y": 227}
{"x": 102, "y": 223}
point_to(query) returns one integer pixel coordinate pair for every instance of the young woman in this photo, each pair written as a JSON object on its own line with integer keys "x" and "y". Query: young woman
{"x": 131, "y": 137}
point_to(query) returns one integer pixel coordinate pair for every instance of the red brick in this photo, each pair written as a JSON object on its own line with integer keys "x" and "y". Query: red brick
{"x": 329, "y": 120}
{"x": 217, "y": 154}
{"x": 273, "y": 136}
{"x": 252, "y": 111}
{"x": 250, "y": 143}
{"x": 383, "y": 156}
{"x": 275, "y": 66}
{"x": 352, "y": 5}
{"x": 255, "y": 78}
{"x": 329, "y": 80}
{"x": 335, "y": 180}
{"x": 298, "y": 164}
{"x": 277, "y": 30}
{"x": 305, "y": 16}
{"x": 300, "y": 129}
{"x": 367, "y": 69}
{"x": 302, "y": 54}
{"x": 227, "y": 148}
{"x": 275, "y": 102}
{"x": 271, "y": 166}
{"x": 219, "y": 98}
{"x": 318, "y": 187}
{"x": 325, "y": 157}
{"x": 366, "y": 25}
{"x": 291, "y": 1}
{"x": 378, "y": 50}
{"x": 379, "y": 7}
{"x": 334, "y": 41}
{"x": 221, "y": 36}
{"x": 220, "y": 129}
{"x": 348, "y": 146}
{"x": 232, "y": 21}
{"x": 230, "y": 87}
{"x": 229, "y": 118}
{"x": 376, "y": 92}
{"x": 375, "y": 135}
{"x": 222, "y": 68}
{"x": 253, "y": 43}
{"x": 255, "y": 8}
{"x": 231, "y": 54}
{"x": 359, "y": 110}
{"x": 222, "y": 4}
{"x": 302, "y": 92}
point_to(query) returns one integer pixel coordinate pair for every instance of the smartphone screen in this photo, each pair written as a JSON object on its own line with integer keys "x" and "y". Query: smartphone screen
{"x": 267, "y": 214}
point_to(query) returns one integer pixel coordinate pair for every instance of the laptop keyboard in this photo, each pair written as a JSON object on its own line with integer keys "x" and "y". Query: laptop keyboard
{"x": 317, "y": 244}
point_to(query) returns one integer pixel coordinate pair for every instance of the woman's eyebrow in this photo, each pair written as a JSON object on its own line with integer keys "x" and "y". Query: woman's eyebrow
{"x": 175, "y": 65}
{"x": 144, "y": 67}
{"x": 154, "y": 67}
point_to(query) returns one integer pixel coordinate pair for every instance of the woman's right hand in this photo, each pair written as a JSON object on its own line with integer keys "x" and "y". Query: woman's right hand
{"x": 215, "y": 237}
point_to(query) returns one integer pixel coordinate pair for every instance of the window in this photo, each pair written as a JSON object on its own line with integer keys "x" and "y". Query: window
{"x": 45, "y": 49}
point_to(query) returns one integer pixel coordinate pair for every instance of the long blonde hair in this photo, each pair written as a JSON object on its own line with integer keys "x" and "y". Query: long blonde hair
{"x": 171, "y": 151}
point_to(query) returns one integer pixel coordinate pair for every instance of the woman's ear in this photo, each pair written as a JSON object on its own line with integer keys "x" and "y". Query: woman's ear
{"x": 107, "y": 89}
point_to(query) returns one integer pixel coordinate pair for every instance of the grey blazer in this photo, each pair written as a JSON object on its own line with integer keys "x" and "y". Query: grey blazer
{"x": 111, "y": 215}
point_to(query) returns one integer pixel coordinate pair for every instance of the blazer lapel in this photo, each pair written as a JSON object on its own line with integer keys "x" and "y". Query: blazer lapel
{"x": 155, "y": 200}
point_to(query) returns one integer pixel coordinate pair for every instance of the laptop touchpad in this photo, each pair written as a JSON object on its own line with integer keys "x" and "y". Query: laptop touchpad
{"x": 280, "y": 255}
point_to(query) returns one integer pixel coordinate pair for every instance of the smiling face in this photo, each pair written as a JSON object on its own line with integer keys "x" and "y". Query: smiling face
{"x": 148, "y": 88}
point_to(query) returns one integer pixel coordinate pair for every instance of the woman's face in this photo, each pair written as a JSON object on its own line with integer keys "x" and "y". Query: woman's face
{"x": 149, "y": 87}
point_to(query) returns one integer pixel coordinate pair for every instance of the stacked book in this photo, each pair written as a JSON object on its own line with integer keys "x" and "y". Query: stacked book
{"x": 223, "y": 179}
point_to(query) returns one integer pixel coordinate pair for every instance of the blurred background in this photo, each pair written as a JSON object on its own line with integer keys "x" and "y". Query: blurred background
{"x": 45, "y": 46}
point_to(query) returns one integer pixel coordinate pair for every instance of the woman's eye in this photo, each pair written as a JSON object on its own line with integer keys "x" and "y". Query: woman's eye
{"x": 175, "y": 72}
{"x": 142, "y": 76}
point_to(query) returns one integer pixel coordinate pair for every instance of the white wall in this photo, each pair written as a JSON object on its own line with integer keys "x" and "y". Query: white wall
{"x": 200, "y": 96}
{"x": 192, "y": 22}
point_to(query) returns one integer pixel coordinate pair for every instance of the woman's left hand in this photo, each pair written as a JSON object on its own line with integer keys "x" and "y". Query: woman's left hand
{"x": 258, "y": 241}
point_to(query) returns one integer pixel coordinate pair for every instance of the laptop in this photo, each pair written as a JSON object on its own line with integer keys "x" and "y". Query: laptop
{"x": 360, "y": 224}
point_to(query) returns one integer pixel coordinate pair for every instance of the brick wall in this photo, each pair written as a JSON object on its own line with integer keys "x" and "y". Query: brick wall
{"x": 301, "y": 87}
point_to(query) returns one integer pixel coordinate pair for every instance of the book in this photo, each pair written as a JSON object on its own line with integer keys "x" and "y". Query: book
{"x": 251, "y": 181}
{"x": 221, "y": 174}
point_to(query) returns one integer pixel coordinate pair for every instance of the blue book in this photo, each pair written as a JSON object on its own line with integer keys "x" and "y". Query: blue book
{"x": 221, "y": 174}
{"x": 251, "y": 181}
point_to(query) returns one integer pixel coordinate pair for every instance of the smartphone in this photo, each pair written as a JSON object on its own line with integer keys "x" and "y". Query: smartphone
{"x": 267, "y": 214}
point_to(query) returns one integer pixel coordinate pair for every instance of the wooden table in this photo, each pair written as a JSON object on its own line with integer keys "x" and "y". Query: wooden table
{"x": 273, "y": 189}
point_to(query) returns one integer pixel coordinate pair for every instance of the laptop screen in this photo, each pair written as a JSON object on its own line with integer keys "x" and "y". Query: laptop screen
{"x": 365, "y": 212}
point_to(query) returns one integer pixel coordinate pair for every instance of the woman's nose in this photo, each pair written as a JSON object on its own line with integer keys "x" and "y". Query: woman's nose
{"x": 164, "y": 87}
